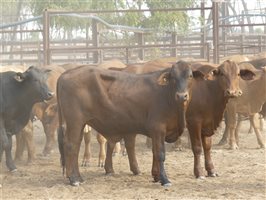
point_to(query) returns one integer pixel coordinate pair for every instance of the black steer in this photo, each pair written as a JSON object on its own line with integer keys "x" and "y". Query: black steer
{"x": 18, "y": 93}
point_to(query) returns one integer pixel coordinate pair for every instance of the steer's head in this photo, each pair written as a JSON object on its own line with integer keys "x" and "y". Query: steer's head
{"x": 34, "y": 80}
{"x": 229, "y": 75}
{"x": 179, "y": 79}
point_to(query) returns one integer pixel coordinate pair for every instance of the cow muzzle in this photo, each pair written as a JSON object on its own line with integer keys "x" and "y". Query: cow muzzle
{"x": 233, "y": 93}
{"x": 48, "y": 96}
{"x": 182, "y": 96}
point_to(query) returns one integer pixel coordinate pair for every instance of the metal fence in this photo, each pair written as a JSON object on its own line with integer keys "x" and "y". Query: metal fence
{"x": 95, "y": 47}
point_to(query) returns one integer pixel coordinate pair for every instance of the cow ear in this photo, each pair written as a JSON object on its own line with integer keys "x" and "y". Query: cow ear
{"x": 19, "y": 77}
{"x": 215, "y": 72}
{"x": 246, "y": 74}
{"x": 164, "y": 78}
{"x": 198, "y": 74}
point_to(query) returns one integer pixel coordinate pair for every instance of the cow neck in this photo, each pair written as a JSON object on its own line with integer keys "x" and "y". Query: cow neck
{"x": 219, "y": 100}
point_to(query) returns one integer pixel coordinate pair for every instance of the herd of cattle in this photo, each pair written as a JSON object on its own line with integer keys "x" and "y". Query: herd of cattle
{"x": 159, "y": 99}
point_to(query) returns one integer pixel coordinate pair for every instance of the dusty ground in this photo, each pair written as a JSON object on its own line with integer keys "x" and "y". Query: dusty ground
{"x": 242, "y": 175}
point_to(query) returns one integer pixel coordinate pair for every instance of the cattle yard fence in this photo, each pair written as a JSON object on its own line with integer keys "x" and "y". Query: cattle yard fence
{"x": 210, "y": 43}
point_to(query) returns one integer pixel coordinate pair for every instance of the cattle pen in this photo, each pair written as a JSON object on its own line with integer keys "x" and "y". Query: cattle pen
{"x": 218, "y": 35}
{"x": 206, "y": 33}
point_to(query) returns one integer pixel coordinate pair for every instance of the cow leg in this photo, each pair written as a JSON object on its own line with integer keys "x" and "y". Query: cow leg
{"x": 49, "y": 130}
{"x": 102, "y": 155}
{"x": 158, "y": 150}
{"x": 149, "y": 142}
{"x": 250, "y": 128}
{"x": 261, "y": 124}
{"x": 238, "y": 125}
{"x": 257, "y": 131}
{"x": 117, "y": 149}
{"x": 108, "y": 166}
{"x": 3, "y": 138}
{"x": 130, "y": 147}
{"x": 207, "y": 144}
{"x": 20, "y": 146}
{"x": 87, "y": 151}
{"x": 232, "y": 129}
{"x": 28, "y": 138}
{"x": 123, "y": 148}
{"x": 223, "y": 141}
{"x": 72, "y": 142}
{"x": 9, "y": 161}
{"x": 196, "y": 144}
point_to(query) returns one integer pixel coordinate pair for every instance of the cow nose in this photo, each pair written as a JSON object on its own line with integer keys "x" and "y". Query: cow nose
{"x": 233, "y": 93}
{"x": 229, "y": 93}
{"x": 239, "y": 92}
{"x": 50, "y": 94}
{"x": 184, "y": 96}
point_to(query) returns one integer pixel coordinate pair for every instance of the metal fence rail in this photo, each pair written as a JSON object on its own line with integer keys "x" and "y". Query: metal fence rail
{"x": 204, "y": 45}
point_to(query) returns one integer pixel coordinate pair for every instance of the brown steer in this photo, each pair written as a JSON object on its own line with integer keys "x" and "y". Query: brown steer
{"x": 205, "y": 111}
{"x": 119, "y": 105}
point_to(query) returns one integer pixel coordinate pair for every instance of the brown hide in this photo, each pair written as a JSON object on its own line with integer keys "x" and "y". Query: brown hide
{"x": 119, "y": 105}
{"x": 205, "y": 111}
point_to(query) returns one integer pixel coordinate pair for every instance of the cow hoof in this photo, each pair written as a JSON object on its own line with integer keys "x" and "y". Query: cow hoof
{"x": 234, "y": 147}
{"x": 13, "y": 170}
{"x": 179, "y": 149}
{"x": 109, "y": 174}
{"x": 213, "y": 175}
{"x": 136, "y": 172}
{"x": 115, "y": 154}
{"x": 76, "y": 183}
{"x": 85, "y": 164}
{"x": 201, "y": 178}
{"x": 167, "y": 184}
{"x": 222, "y": 142}
{"x": 101, "y": 165}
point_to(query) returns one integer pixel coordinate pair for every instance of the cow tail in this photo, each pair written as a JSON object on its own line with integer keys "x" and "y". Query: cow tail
{"x": 60, "y": 131}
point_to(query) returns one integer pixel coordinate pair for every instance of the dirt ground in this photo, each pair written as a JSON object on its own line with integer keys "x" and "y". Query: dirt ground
{"x": 242, "y": 175}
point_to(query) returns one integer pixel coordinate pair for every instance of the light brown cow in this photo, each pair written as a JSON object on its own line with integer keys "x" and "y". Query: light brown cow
{"x": 250, "y": 103}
